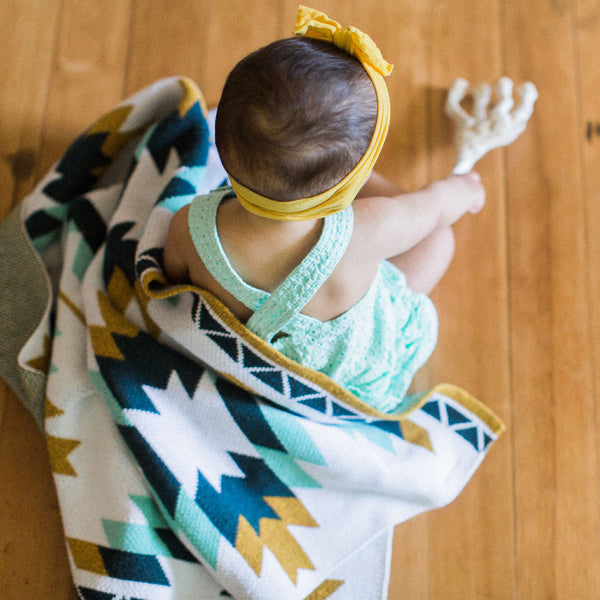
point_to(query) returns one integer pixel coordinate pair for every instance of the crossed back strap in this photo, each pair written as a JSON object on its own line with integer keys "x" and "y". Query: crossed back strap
{"x": 272, "y": 312}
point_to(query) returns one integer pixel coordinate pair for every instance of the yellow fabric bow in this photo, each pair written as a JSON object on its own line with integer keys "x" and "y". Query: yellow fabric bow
{"x": 315, "y": 24}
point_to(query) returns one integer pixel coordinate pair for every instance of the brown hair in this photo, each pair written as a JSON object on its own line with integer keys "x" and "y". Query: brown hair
{"x": 294, "y": 118}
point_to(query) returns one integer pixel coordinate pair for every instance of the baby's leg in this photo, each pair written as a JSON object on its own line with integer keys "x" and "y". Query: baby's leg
{"x": 425, "y": 264}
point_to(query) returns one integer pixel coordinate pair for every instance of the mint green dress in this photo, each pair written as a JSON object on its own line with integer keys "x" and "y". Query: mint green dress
{"x": 372, "y": 350}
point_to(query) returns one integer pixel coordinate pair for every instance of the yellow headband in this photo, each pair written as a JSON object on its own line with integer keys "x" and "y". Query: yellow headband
{"x": 314, "y": 24}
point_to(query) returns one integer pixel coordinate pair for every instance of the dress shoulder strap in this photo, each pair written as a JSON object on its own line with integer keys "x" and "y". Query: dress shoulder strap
{"x": 272, "y": 312}
{"x": 202, "y": 223}
{"x": 290, "y": 297}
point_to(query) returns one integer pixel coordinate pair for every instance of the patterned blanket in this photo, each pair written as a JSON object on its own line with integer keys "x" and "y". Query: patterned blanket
{"x": 192, "y": 461}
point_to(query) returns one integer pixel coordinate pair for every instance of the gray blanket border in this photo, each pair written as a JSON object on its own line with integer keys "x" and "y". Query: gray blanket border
{"x": 23, "y": 302}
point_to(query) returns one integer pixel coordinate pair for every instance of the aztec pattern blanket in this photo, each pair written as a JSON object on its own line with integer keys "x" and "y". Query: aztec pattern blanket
{"x": 193, "y": 461}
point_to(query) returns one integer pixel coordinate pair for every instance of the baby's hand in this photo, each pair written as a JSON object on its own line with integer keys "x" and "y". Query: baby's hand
{"x": 457, "y": 195}
{"x": 473, "y": 180}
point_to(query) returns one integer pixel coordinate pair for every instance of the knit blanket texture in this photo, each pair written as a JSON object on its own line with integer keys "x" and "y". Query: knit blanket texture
{"x": 193, "y": 461}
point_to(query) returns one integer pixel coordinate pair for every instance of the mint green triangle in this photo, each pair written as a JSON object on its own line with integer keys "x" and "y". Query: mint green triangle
{"x": 198, "y": 528}
{"x": 292, "y": 435}
{"x": 133, "y": 537}
{"x": 286, "y": 468}
{"x": 150, "y": 510}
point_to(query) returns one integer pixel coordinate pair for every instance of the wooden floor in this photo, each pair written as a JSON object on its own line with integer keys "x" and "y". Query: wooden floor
{"x": 520, "y": 325}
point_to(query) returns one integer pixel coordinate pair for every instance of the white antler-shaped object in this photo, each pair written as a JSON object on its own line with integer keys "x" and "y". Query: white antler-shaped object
{"x": 481, "y": 132}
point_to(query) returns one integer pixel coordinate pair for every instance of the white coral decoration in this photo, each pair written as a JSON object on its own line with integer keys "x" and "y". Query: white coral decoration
{"x": 481, "y": 132}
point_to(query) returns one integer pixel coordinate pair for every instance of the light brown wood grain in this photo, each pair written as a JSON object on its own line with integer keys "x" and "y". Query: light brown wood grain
{"x": 475, "y": 534}
{"x": 519, "y": 320}
{"x": 28, "y": 40}
{"x": 587, "y": 18}
{"x": 234, "y": 31}
{"x": 554, "y": 424}
{"x": 167, "y": 39}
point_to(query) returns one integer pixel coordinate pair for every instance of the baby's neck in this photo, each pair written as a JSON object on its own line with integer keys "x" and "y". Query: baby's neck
{"x": 264, "y": 251}
{"x": 259, "y": 224}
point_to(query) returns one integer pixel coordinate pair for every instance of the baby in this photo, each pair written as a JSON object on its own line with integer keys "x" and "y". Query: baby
{"x": 312, "y": 250}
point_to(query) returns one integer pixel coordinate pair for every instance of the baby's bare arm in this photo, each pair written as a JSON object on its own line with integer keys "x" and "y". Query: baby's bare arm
{"x": 175, "y": 255}
{"x": 390, "y": 226}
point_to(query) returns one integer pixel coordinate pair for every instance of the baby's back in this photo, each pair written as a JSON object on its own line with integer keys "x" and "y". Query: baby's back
{"x": 263, "y": 253}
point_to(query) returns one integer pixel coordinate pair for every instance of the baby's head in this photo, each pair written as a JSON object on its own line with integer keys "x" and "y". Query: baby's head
{"x": 294, "y": 118}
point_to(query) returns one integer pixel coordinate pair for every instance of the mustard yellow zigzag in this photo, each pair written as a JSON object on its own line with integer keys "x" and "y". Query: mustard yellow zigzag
{"x": 113, "y": 306}
{"x": 191, "y": 95}
{"x": 121, "y": 292}
{"x": 415, "y": 434}
{"x": 42, "y": 362}
{"x": 72, "y": 306}
{"x": 51, "y": 410}
{"x": 58, "y": 451}
{"x": 115, "y": 322}
{"x": 325, "y": 589}
{"x": 115, "y": 141}
{"x": 87, "y": 556}
{"x": 273, "y": 534}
